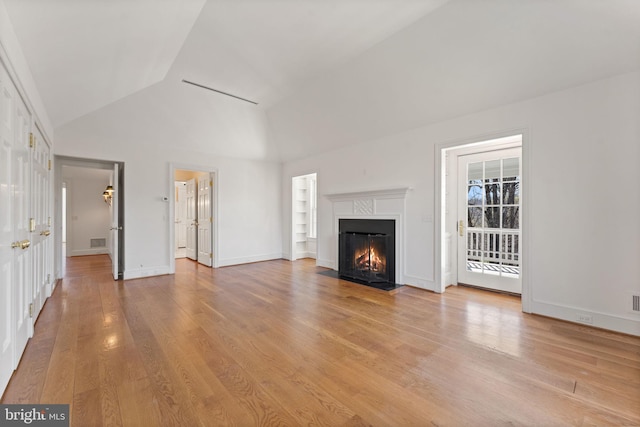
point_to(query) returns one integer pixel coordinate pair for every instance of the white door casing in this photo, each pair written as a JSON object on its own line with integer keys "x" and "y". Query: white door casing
{"x": 205, "y": 220}
{"x": 489, "y": 218}
{"x": 115, "y": 223}
{"x": 191, "y": 220}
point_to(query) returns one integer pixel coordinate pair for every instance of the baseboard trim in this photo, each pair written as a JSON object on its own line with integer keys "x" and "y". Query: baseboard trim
{"x": 139, "y": 273}
{"x": 246, "y": 260}
{"x": 418, "y": 282}
{"x": 84, "y": 252}
{"x": 600, "y": 320}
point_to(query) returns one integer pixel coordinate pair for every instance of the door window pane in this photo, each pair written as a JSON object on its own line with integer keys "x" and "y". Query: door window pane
{"x": 492, "y": 217}
{"x": 492, "y": 194}
{"x": 511, "y": 169}
{"x": 474, "y": 217}
{"x": 511, "y": 193}
{"x": 474, "y": 195}
{"x": 511, "y": 217}
{"x": 474, "y": 173}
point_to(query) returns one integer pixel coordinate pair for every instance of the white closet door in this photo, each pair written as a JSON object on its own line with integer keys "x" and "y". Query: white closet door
{"x": 7, "y": 308}
{"x": 22, "y": 255}
{"x": 205, "y": 219}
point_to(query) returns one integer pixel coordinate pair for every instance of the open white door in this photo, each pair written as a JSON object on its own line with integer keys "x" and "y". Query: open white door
{"x": 180, "y": 215}
{"x": 191, "y": 220}
{"x": 205, "y": 220}
{"x": 115, "y": 228}
{"x": 489, "y": 220}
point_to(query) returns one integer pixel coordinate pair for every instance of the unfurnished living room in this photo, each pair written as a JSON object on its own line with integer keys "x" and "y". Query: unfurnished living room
{"x": 319, "y": 212}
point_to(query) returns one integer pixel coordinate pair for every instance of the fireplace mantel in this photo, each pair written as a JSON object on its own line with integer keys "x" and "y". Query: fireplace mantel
{"x": 372, "y": 204}
{"x": 391, "y": 193}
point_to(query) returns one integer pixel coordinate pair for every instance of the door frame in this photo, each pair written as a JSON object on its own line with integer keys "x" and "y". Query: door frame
{"x": 441, "y": 151}
{"x": 213, "y": 172}
{"x": 59, "y": 162}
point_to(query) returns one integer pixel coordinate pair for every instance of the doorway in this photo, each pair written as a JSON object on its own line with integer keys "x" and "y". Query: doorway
{"x": 193, "y": 213}
{"x": 488, "y": 210}
{"x": 481, "y": 220}
{"x": 89, "y": 206}
{"x": 304, "y": 216}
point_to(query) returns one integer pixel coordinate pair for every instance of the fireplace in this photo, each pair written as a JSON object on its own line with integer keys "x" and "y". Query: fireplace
{"x": 366, "y": 251}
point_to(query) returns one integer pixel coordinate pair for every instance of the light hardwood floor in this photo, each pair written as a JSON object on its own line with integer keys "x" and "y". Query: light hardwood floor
{"x": 279, "y": 343}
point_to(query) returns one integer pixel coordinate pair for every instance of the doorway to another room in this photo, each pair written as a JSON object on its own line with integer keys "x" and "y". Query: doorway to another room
{"x": 193, "y": 210}
{"x": 90, "y": 211}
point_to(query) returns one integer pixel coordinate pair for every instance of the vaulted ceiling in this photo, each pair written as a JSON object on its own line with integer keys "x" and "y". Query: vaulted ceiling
{"x": 324, "y": 73}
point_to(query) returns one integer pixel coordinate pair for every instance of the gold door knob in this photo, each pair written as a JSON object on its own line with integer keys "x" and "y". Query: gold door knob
{"x": 24, "y": 244}
{"x": 45, "y": 233}
{"x": 461, "y": 228}
{"x": 15, "y": 245}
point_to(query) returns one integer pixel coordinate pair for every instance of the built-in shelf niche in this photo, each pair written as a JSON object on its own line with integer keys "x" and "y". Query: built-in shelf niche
{"x": 303, "y": 222}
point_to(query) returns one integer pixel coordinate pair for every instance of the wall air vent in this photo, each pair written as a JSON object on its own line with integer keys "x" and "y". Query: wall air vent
{"x": 98, "y": 243}
{"x": 636, "y": 303}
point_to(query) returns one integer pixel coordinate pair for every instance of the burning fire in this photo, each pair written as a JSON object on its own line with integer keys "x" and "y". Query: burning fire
{"x": 369, "y": 260}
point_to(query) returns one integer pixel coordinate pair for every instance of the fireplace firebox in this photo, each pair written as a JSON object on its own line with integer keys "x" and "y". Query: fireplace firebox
{"x": 367, "y": 252}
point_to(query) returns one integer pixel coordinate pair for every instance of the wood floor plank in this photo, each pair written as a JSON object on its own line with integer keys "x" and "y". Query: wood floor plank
{"x": 280, "y": 343}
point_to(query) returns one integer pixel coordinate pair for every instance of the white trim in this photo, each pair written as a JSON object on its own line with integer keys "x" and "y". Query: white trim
{"x": 326, "y": 263}
{"x": 245, "y": 260}
{"x": 393, "y": 193}
{"x": 95, "y": 251}
{"x": 626, "y": 325}
{"x": 137, "y": 273}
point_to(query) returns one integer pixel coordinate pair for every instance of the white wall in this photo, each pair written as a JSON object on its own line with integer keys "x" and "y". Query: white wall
{"x": 10, "y": 52}
{"x": 249, "y": 217}
{"x": 583, "y": 151}
{"x": 88, "y": 216}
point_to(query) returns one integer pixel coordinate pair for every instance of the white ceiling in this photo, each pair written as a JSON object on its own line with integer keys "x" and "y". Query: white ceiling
{"x": 325, "y": 72}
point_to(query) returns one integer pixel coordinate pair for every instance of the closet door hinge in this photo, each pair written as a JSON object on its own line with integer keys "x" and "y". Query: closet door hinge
{"x": 49, "y": 164}
{"x": 32, "y": 140}
{"x": 31, "y": 310}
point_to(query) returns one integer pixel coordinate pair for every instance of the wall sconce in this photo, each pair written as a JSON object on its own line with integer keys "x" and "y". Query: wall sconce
{"x": 107, "y": 195}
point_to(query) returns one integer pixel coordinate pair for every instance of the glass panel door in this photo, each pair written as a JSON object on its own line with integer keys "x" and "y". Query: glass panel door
{"x": 489, "y": 225}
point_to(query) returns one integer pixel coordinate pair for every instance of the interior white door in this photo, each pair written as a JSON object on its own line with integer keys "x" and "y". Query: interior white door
{"x": 7, "y": 307}
{"x": 205, "y": 220}
{"x": 40, "y": 191}
{"x": 181, "y": 215}
{"x": 115, "y": 223}
{"x": 489, "y": 218}
{"x": 21, "y": 223}
{"x": 191, "y": 220}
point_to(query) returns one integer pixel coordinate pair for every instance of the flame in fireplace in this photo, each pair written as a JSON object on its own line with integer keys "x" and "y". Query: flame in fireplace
{"x": 370, "y": 260}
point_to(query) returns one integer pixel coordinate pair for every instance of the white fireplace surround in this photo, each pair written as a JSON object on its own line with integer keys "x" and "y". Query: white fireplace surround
{"x": 376, "y": 204}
